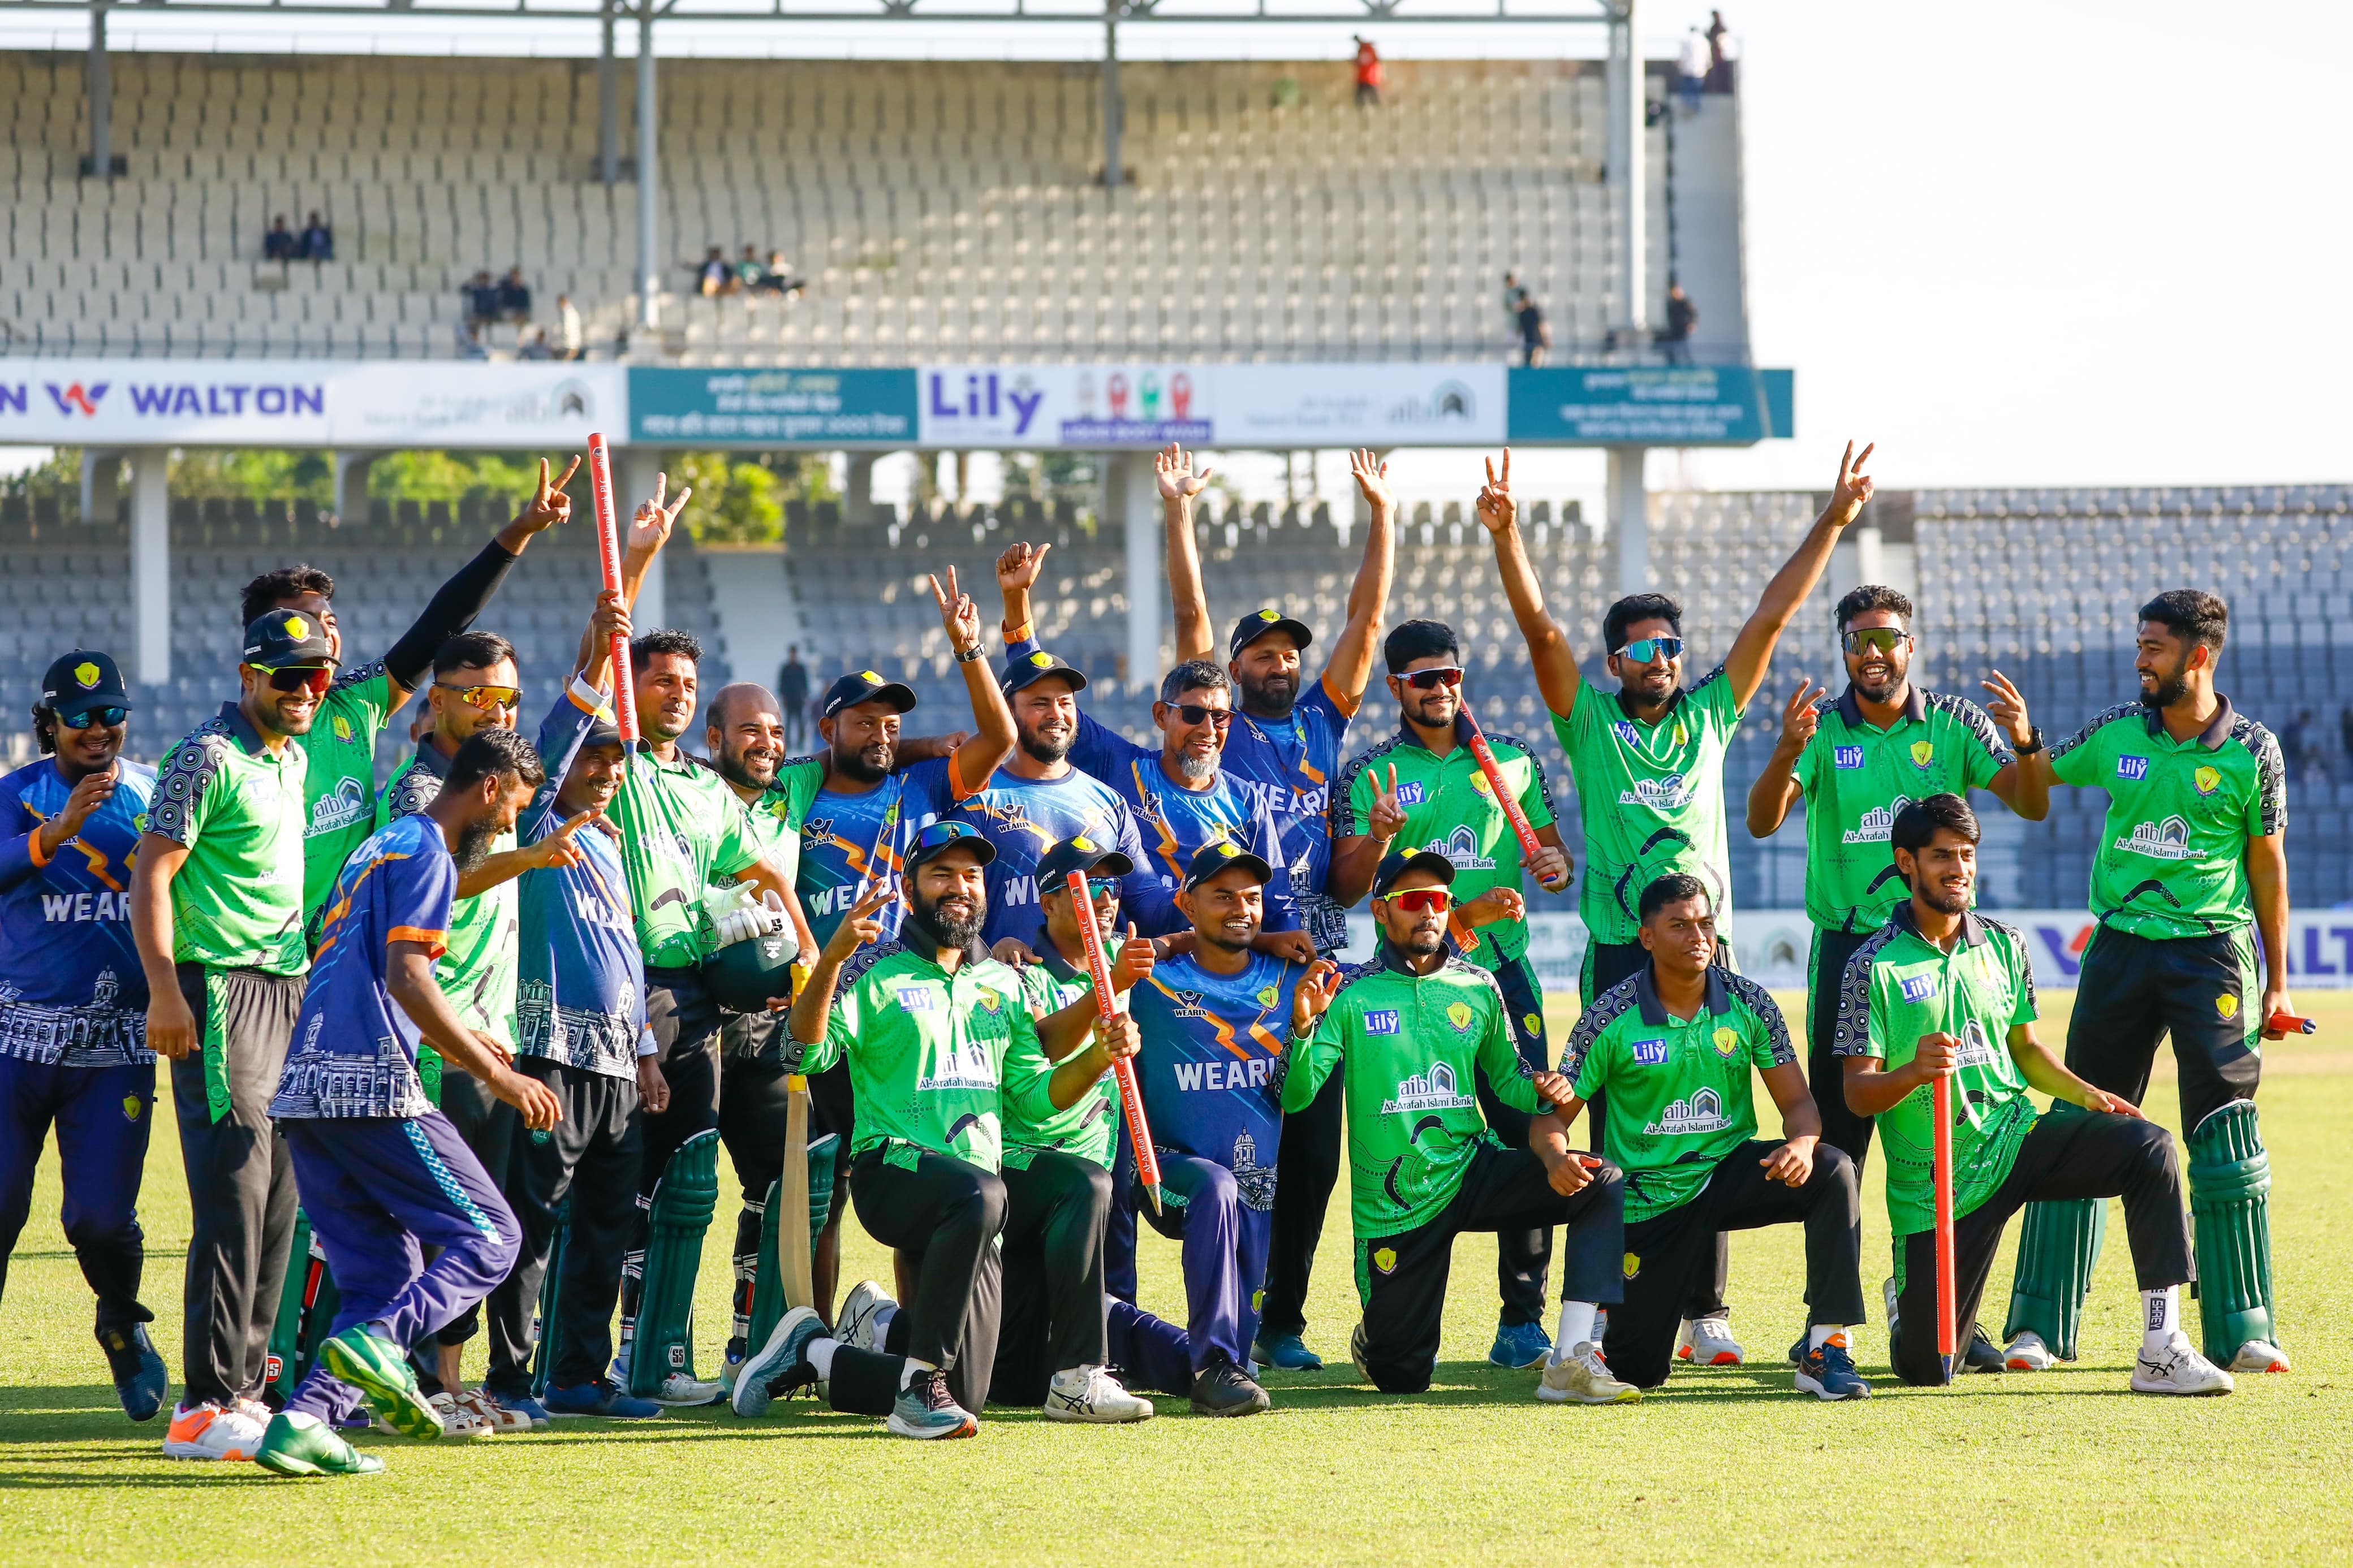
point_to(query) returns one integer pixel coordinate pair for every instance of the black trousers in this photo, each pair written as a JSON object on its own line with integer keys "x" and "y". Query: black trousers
{"x": 1523, "y": 1253}
{"x": 2070, "y": 1153}
{"x": 592, "y": 1157}
{"x": 1825, "y": 1073}
{"x": 240, "y": 1178}
{"x": 1609, "y": 963}
{"x": 947, "y": 1215}
{"x": 685, "y": 1023}
{"x": 1402, "y": 1278}
{"x": 753, "y": 1103}
{"x": 1053, "y": 1260}
{"x": 1307, "y": 1167}
{"x": 1666, "y": 1251}
{"x": 2204, "y": 991}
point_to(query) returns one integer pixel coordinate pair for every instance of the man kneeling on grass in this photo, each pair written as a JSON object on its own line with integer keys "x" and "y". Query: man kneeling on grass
{"x": 1923, "y": 999}
{"x": 1668, "y": 1054}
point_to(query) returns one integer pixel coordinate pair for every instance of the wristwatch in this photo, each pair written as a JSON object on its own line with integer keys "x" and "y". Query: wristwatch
{"x": 968, "y": 655}
{"x": 2033, "y": 741}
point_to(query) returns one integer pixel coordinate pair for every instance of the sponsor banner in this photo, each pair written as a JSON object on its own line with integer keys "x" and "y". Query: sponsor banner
{"x": 1336, "y": 406}
{"x": 1651, "y": 406}
{"x": 306, "y": 403}
{"x": 772, "y": 407}
{"x": 1771, "y": 947}
{"x": 1038, "y": 406}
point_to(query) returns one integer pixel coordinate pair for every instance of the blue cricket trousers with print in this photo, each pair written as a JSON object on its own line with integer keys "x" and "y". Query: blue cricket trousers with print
{"x": 102, "y": 1115}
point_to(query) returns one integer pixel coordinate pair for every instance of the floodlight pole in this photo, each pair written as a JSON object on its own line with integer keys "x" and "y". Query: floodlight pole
{"x": 1113, "y": 109}
{"x": 608, "y": 104}
{"x": 1627, "y": 146}
{"x": 649, "y": 238}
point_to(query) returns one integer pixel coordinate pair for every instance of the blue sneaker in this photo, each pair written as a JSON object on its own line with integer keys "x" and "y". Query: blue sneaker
{"x": 925, "y": 1408}
{"x": 599, "y": 1399}
{"x": 522, "y": 1404}
{"x": 1287, "y": 1352}
{"x": 779, "y": 1364}
{"x": 1520, "y": 1346}
{"x": 1828, "y": 1372}
{"x": 140, "y": 1379}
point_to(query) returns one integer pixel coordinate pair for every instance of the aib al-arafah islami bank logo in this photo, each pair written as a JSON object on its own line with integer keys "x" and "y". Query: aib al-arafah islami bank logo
{"x": 1434, "y": 1090}
{"x": 2166, "y": 840}
{"x": 1878, "y": 823}
{"x": 1703, "y": 1113}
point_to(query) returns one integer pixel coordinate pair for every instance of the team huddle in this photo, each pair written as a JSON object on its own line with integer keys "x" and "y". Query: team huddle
{"x": 460, "y": 1054}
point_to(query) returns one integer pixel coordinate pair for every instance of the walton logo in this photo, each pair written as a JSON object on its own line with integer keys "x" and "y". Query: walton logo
{"x": 78, "y": 399}
{"x": 1878, "y": 823}
{"x": 2166, "y": 840}
{"x": 1703, "y": 1113}
{"x": 1667, "y": 793}
{"x": 1433, "y": 1090}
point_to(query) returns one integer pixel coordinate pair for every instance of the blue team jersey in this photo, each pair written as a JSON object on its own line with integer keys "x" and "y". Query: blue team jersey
{"x": 71, "y": 991}
{"x": 355, "y": 1050}
{"x": 580, "y": 977}
{"x": 1211, "y": 1045}
{"x": 1288, "y": 765}
{"x": 849, "y": 838}
{"x": 1026, "y": 817}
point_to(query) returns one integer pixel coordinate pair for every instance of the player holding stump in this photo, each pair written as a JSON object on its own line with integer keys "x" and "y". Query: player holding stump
{"x": 2190, "y": 874}
{"x": 73, "y": 1025}
{"x": 1404, "y": 1034}
{"x": 1673, "y": 1048}
{"x": 1930, "y": 995}
{"x": 381, "y": 1172}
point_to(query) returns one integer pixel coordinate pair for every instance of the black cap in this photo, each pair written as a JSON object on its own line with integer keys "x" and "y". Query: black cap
{"x": 942, "y": 836}
{"x": 1080, "y": 854}
{"x": 1219, "y": 855}
{"x": 604, "y": 730}
{"x": 1037, "y": 666}
{"x": 84, "y": 680}
{"x": 1258, "y": 623}
{"x": 865, "y": 686}
{"x": 1397, "y": 863}
{"x": 280, "y": 640}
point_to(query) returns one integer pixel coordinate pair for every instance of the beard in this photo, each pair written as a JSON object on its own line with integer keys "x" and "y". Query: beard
{"x": 864, "y": 766}
{"x": 474, "y": 844}
{"x": 1422, "y": 943}
{"x": 735, "y": 767}
{"x": 2167, "y": 693}
{"x": 1041, "y": 749}
{"x": 1884, "y": 690}
{"x": 1273, "y": 696}
{"x": 947, "y": 931}
{"x": 1196, "y": 770}
{"x": 1933, "y": 894}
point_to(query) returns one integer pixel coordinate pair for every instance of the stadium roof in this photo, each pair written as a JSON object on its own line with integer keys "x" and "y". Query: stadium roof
{"x": 1231, "y": 13}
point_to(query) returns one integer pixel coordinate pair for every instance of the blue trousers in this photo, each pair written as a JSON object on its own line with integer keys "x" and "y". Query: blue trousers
{"x": 102, "y": 1115}
{"x": 378, "y": 1191}
{"x": 1225, "y": 1246}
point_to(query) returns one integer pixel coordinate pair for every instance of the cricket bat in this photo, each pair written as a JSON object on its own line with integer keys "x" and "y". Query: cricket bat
{"x": 608, "y": 551}
{"x": 1130, "y": 1093}
{"x": 792, "y": 1230}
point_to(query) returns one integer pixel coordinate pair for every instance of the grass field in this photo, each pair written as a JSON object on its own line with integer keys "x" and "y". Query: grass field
{"x": 1721, "y": 1466}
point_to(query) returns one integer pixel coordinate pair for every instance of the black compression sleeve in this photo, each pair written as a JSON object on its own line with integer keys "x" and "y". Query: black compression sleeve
{"x": 452, "y": 610}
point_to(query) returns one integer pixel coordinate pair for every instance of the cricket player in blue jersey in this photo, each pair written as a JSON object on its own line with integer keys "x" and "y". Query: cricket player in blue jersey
{"x": 380, "y": 1172}
{"x": 73, "y": 1001}
{"x": 1287, "y": 744}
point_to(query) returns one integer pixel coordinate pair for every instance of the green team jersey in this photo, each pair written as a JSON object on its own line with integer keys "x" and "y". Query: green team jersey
{"x": 1651, "y": 796}
{"x": 339, "y": 804}
{"x": 238, "y": 806}
{"x": 1449, "y": 807}
{"x": 779, "y": 810}
{"x": 681, "y": 831}
{"x": 1900, "y": 986}
{"x": 476, "y": 970}
{"x": 2172, "y": 858}
{"x": 1679, "y": 1095}
{"x": 1857, "y": 776}
{"x": 927, "y": 1052}
{"x": 1406, "y": 1046}
{"x": 1090, "y": 1128}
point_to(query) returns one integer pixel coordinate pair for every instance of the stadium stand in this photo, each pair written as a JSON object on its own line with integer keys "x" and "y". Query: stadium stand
{"x": 939, "y": 209}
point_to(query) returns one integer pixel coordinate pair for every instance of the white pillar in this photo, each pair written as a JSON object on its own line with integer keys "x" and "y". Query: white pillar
{"x": 859, "y": 490}
{"x": 1630, "y": 519}
{"x": 640, "y": 464}
{"x": 1870, "y": 556}
{"x": 1138, "y": 494}
{"x": 1114, "y": 111}
{"x": 99, "y": 87}
{"x": 608, "y": 102}
{"x": 351, "y": 486}
{"x": 150, "y": 566}
{"x": 101, "y": 484}
{"x": 648, "y": 222}
{"x": 1629, "y": 143}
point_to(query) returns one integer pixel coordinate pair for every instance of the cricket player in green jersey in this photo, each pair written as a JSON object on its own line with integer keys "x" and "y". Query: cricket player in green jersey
{"x": 2190, "y": 875}
{"x": 1405, "y": 1033}
{"x": 1675, "y": 1047}
{"x": 341, "y": 747}
{"x": 1925, "y": 998}
{"x": 1422, "y": 786}
{"x": 1855, "y": 762}
{"x": 1648, "y": 759}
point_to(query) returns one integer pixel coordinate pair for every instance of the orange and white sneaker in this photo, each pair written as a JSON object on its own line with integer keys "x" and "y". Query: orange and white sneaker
{"x": 209, "y": 1431}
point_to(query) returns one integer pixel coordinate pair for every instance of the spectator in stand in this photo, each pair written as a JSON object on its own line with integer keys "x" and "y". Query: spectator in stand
{"x": 1719, "y": 69}
{"x": 482, "y": 300}
{"x": 751, "y": 272}
{"x": 514, "y": 297}
{"x": 280, "y": 243}
{"x": 718, "y": 278}
{"x": 792, "y": 696}
{"x": 1514, "y": 296}
{"x": 1675, "y": 342}
{"x": 779, "y": 276}
{"x": 1691, "y": 69}
{"x": 1369, "y": 75}
{"x": 538, "y": 348}
{"x": 571, "y": 337}
{"x": 318, "y": 240}
{"x": 470, "y": 341}
{"x": 1535, "y": 336}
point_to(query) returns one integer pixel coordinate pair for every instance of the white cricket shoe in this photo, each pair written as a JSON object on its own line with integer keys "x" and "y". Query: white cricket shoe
{"x": 456, "y": 1421}
{"x": 678, "y": 1389}
{"x": 2178, "y": 1369}
{"x": 2027, "y": 1353}
{"x": 1889, "y": 1296}
{"x": 1581, "y": 1377}
{"x": 2260, "y": 1355}
{"x": 855, "y": 1325}
{"x": 1090, "y": 1394}
{"x": 211, "y": 1431}
{"x": 1708, "y": 1342}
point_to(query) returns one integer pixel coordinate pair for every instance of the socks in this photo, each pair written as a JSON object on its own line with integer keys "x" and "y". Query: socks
{"x": 911, "y": 1369}
{"x": 1820, "y": 1334}
{"x": 2161, "y": 1316}
{"x": 1575, "y": 1329}
{"x": 819, "y": 1355}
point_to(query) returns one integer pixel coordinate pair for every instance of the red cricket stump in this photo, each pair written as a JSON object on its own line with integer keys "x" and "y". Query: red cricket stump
{"x": 1941, "y": 1099}
{"x": 1130, "y": 1093}
{"x": 2289, "y": 1024}
{"x": 1485, "y": 755}
{"x": 608, "y": 549}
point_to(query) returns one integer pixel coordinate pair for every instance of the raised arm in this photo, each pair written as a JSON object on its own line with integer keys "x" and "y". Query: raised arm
{"x": 993, "y": 740}
{"x": 2025, "y": 790}
{"x": 453, "y": 608}
{"x": 1752, "y": 650}
{"x": 1549, "y": 652}
{"x": 1777, "y": 788}
{"x": 648, "y": 531}
{"x": 1350, "y": 669}
{"x": 1178, "y": 485}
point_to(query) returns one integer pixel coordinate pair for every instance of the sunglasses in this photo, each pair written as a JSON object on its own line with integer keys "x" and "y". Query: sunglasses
{"x": 489, "y": 698}
{"x": 1194, "y": 713}
{"x": 1883, "y": 639}
{"x": 944, "y": 833}
{"x": 1650, "y": 650}
{"x": 1426, "y": 680}
{"x": 88, "y": 717}
{"x": 314, "y": 679}
{"x": 1101, "y": 888}
{"x": 1414, "y": 900}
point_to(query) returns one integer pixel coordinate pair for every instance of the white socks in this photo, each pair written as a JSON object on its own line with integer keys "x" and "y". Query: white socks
{"x": 912, "y": 1369}
{"x": 2160, "y": 1317}
{"x": 1820, "y": 1334}
{"x": 1576, "y": 1327}
{"x": 820, "y": 1356}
